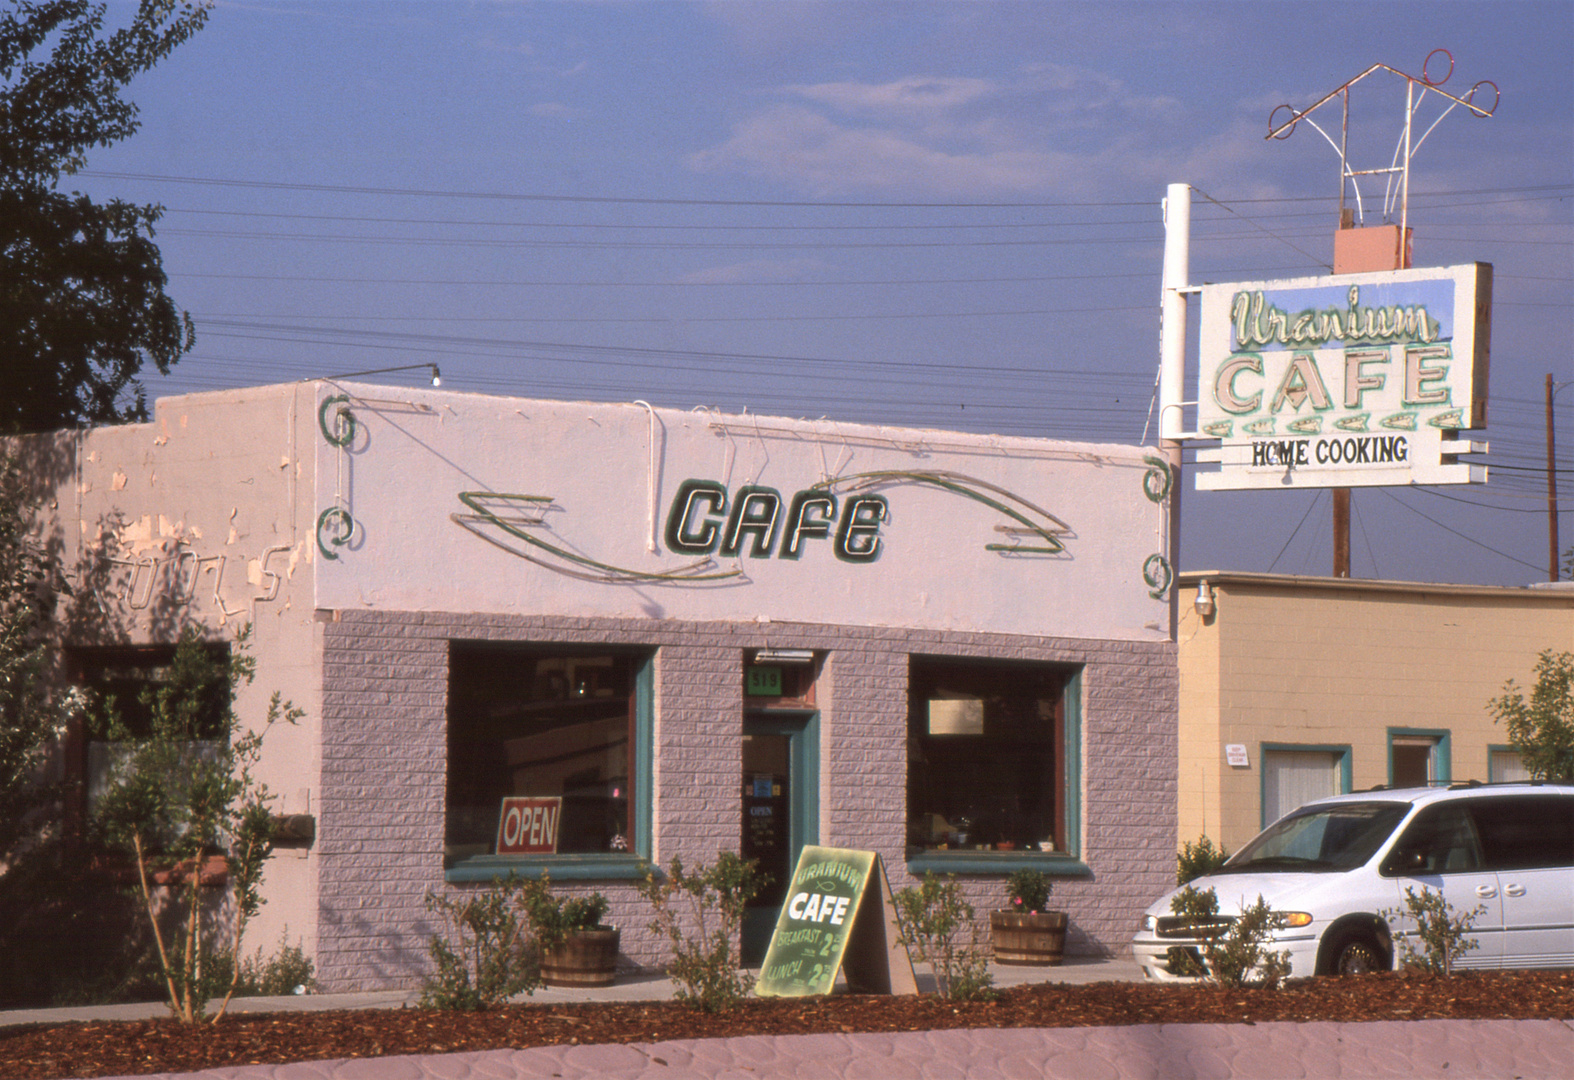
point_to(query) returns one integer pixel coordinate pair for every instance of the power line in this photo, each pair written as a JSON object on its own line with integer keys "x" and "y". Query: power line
{"x": 271, "y": 185}
{"x": 1456, "y": 532}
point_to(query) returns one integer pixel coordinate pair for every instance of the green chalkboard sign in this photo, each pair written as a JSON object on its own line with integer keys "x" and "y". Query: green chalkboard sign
{"x": 837, "y": 898}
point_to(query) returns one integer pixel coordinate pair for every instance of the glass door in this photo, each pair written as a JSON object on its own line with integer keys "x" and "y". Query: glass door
{"x": 780, "y": 812}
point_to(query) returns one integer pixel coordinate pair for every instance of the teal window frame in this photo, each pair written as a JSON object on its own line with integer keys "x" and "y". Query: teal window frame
{"x": 1345, "y": 776}
{"x": 1061, "y": 864}
{"x": 1442, "y": 752}
{"x": 610, "y": 866}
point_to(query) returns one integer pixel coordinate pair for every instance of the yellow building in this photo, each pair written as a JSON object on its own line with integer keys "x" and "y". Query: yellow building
{"x": 1292, "y": 688}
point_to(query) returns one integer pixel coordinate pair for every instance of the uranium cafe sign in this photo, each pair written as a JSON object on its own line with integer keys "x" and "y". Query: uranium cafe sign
{"x": 1358, "y": 380}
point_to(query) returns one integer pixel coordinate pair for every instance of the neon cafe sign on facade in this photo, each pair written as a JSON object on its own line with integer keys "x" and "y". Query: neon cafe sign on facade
{"x": 1352, "y": 381}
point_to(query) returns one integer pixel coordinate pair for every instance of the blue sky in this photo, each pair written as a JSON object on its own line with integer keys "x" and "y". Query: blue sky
{"x": 935, "y": 215}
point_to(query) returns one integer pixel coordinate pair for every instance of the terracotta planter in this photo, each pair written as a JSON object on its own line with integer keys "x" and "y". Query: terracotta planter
{"x": 587, "y": 958}
{"x": 1038, "y": 939}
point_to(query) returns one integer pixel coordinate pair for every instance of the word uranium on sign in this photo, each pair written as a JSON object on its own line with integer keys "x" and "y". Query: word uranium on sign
{"x": 1258, "y": 323}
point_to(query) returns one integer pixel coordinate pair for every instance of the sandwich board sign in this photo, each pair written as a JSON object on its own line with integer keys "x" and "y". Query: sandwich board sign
{"x": 839, "y": 915}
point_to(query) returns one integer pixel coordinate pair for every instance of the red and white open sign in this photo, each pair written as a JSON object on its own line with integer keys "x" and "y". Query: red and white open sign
{"x": 528, "y": 825}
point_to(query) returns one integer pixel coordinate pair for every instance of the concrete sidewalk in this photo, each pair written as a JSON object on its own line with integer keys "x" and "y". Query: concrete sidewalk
{"x": 633, "y": 987}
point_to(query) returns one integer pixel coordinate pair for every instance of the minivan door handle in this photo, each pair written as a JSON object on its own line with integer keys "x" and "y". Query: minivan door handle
{"x": 1514, "y": 890}
{"x": 1486, "y": 892}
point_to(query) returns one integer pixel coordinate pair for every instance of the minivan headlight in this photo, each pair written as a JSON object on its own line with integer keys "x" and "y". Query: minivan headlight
{"x": 1295, "y": 918}
{"x": 1150, "y": 923}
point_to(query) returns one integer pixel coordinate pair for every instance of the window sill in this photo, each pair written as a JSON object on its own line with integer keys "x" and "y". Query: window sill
{"x": 1054, "y": 864}
{"x": 488, "y": 868}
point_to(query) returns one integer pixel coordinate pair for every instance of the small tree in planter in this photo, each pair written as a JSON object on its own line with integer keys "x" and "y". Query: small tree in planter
{"x": 1026, "y": 931}
{"x": 574, "y": 948}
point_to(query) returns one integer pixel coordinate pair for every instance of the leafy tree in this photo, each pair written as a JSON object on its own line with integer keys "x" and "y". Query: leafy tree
{"x": 28, "y": 719}
{"x": 1542, "y": 729}
{"x": 185, "y": 791}
{"x": 82, "y": 301}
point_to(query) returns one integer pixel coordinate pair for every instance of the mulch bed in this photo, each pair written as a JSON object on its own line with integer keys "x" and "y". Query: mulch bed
{"x": 112, "y": 1048}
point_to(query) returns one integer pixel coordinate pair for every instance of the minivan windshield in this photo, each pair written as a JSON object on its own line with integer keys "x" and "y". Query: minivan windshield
{"x": 1330, "y": 838}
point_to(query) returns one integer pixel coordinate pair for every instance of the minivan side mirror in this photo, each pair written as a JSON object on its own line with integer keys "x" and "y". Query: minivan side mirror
{"x": 1404, "y": 861}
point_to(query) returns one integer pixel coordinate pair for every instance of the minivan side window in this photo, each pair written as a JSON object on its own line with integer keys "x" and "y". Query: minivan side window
{"x": 1441, "y": 840}
{"x": 1525, "y": 832}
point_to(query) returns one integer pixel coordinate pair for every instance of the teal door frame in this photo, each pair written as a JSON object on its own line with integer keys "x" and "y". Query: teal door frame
{"x": 802, "y": 728}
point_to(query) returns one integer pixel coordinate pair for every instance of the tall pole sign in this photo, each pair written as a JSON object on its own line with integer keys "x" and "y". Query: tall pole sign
{"x": 1366, "y": 377}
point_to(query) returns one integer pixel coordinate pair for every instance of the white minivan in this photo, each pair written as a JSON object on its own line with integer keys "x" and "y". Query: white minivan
{"x": 1332, "y": 867}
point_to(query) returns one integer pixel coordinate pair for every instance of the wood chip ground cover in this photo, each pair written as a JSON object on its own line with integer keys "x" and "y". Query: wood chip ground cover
{"x": 114, "y": 1048}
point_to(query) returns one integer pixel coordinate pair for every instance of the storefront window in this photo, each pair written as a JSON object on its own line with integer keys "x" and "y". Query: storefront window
{"x": 119, "y": 680}
{"x": 986, "y": 767}
{"x": 543, "y": 754}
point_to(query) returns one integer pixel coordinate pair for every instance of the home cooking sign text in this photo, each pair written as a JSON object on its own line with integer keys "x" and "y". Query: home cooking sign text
{"x": 1355, "y": 380}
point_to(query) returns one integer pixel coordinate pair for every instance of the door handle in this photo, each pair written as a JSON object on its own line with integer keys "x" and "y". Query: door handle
{"x": 1486, "y": 892}
{"x": 1514, "y": 890}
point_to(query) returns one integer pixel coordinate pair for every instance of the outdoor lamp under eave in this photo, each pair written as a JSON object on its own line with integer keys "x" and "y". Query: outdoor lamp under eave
{"x": 1204, "y": 603}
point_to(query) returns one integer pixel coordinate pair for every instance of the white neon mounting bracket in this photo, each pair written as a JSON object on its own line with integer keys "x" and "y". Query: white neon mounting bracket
{"x": 1397, "y": 172}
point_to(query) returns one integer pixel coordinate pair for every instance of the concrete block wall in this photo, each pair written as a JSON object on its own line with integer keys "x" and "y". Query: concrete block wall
{"x": 380, "y": 830}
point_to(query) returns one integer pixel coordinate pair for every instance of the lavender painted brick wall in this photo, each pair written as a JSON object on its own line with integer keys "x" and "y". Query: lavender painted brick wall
{"x": 384, "y": 749}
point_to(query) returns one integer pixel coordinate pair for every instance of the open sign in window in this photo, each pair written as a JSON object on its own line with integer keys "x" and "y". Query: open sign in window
{"x": 527, "y": 825}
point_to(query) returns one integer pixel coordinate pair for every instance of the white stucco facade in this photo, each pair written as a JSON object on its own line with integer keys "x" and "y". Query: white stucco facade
{"x": 362, "y": 531}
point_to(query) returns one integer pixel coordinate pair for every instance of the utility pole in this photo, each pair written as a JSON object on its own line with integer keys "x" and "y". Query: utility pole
{"x": 1552, "y": 487}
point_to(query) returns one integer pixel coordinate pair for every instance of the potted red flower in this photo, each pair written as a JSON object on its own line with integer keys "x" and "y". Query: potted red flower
{"x": 1027, "y": 932}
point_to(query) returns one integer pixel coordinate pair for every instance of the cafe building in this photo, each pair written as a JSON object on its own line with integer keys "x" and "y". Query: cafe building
{"x": 579, "y": 638}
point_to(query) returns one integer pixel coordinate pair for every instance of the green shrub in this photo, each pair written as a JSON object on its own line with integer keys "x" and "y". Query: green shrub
{"x": 288, "y": 971}
{"x": 486, "y": 953}
{"x": 1442, "y": 932}
{"x": 935, "y": 920}
{"x": 1234, "y": 952}
{"x": 1028, "y": 891}
{"x": 71, "y": 933}
{"x": 1198, "y": 860}
{"x": 701, "y": 914}
{"x": 183, "y": 793}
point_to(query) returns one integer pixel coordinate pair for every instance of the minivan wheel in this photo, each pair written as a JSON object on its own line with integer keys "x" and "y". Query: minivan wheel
{"x": 1356, "y": 954}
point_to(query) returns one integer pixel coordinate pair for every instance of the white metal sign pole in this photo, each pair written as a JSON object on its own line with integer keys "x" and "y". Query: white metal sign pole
{"x": 1172, "y": 360}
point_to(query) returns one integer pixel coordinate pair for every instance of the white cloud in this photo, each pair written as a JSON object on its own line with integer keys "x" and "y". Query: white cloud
{"x": 1045, "y": 128}
{"x": 912, "y": 95}
{"x": 796, "y": 145}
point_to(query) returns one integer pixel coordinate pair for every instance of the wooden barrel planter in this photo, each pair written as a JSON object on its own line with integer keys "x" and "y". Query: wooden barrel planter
{"x": 1038, "y": 939}
{"x": 587, "y": 958}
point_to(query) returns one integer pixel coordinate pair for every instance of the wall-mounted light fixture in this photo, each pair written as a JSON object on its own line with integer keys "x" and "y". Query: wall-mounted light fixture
{"x": 437, "y": 375}
{"x": 784, "y": 656}
{"x": 1204, "y": 603}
